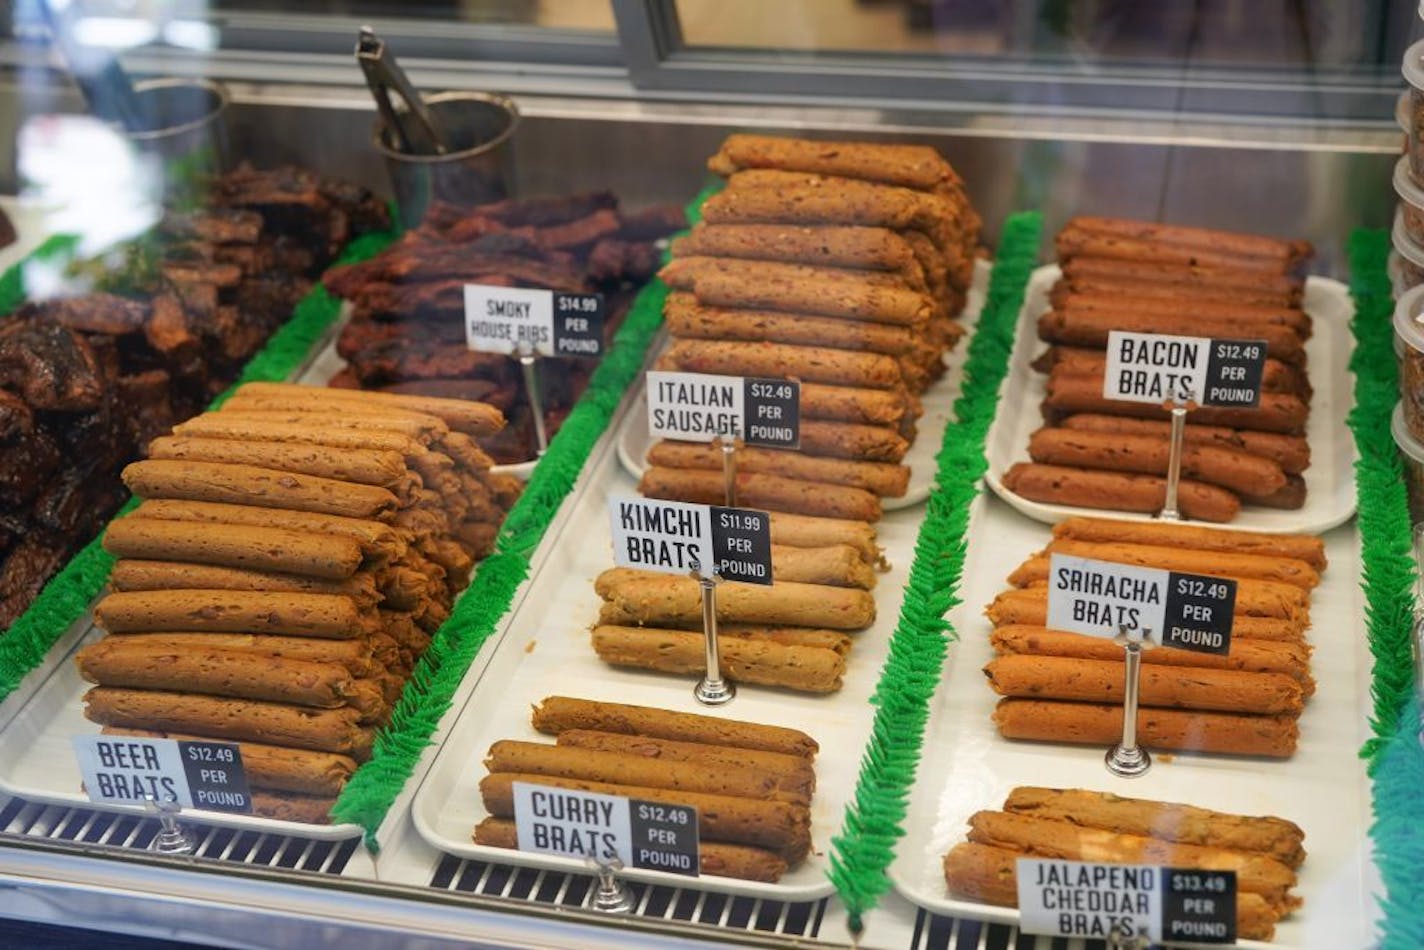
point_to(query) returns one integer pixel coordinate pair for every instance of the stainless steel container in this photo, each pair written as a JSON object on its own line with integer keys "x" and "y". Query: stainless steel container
{"x": 480, "y": 128}
{"x": 186, "y": 125}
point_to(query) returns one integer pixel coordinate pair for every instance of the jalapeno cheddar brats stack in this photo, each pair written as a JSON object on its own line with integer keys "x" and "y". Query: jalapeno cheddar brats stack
{"x": 1153, "y": 278}
{"x": 292, "y": 554}
{"x": 751, "y": 784}
{"x": 1078, "y": 825}
{"x": 1065, "y": 687}
{"x": 839, "y": 264}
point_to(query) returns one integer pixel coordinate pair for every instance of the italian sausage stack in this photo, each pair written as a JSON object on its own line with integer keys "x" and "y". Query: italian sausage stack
{"x": 1064, "y": 687}
{"x": 751, "y": 784}
{"x": 290, "y": 558}
{"x": 1154, "y": 278}
{"x": 1078, "y": 825}
{"x": 842, "y": 265}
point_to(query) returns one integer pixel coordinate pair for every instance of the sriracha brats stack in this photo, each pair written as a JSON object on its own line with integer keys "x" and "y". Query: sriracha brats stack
{"x": 290, "y": 559}
{"x": 751, "y": 784}
{"x": 842, "y": 265}
{"x": 1154, "y": 278}
{"x": 1066, "y": 687}
{"x": 1078, "y": 825}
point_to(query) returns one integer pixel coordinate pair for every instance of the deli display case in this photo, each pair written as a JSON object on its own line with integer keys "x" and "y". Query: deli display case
{"x": 666, "y": 472}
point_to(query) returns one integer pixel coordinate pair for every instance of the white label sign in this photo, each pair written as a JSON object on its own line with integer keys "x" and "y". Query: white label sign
{"x": 529, "y": 320}
{"x": 1099, "y": 598}
{"x": 125, "y": 770}
{"x": 568, "y": 822}
{"x": 1083, "y": 899}
{"x": 1158, "y": 368}
{"x": 665, "y": 536}
{"x": 641, "y": 834}
{"x": 1155, "y": 367}
{"x": 670, "y": 536}
{"x": 697, "y": 407}
{"x": 700, "y": 407}
{"x": 1079, "y": 899}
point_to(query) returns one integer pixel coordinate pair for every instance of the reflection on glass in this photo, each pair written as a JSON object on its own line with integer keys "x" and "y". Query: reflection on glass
{"x": 1313, "y": 33}
{"x": 596, "y": 15}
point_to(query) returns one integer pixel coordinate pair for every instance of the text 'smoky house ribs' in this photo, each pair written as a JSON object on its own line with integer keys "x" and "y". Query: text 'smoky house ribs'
{"x": 407, "y": 333}
{"x": 86, "y": 381}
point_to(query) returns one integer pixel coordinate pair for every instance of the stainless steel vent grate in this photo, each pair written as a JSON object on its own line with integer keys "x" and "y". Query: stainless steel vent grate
{"x": 748, "y": 914}
{"x": 933, "y": 932}
{"x": 27, "y": 819}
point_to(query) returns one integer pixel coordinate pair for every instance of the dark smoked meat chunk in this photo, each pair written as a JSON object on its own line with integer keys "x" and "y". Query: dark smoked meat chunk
{"x": 218, "y": 225}
{"x": 659, "y": 221}
{"x": 17, "y": 419}
{"x": 169, "y": 331}
{"x": 545, "y": 212}
{"x": 147, "y": 407}
{"x": 612, "y": 261}
{"x": 25, "y": 466}
{"x": 50, "y": 366}
{"x": 26, "y": 568}
{"x": 396, "y": 361}
{"x": 582, "y": 232}
{"x": 91, "y": 313}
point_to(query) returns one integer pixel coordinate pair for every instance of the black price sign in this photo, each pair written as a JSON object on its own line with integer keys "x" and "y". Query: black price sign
{"x": 771, "y": 413}
{"x": 1199, "y": 611}
{"x": 1234, "y": 373}
{"x": 216, "y": 779}
{"x": 664, "y": 837}
{"x": 578, "y": 324}
{"x": 1198, "y": 906}
{"x": 741, "y": 544}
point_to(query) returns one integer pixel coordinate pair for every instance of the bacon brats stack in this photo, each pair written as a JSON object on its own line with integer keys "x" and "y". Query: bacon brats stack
{"x": 1153, "y": 278}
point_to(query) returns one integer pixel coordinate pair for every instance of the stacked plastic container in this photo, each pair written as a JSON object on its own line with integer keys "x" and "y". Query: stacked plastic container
{"x": 1407, "y": 271}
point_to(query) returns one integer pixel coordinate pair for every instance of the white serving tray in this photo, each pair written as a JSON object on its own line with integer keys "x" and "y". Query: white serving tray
{"x": 634, "y": 440}
{"x": 1330, "y": 480}
{"x": 546, "y": 652}
{"x": 967, "y": 766}
{"x": 37, "y": 759}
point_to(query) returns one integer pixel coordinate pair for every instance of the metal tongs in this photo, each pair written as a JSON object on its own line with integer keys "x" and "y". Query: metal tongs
{"x": 384, "y": 74}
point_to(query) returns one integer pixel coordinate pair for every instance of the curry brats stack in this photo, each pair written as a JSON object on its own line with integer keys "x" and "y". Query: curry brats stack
{"x": 1064, "y": 687}
{"x": 751, "y": 784}
{"x": 290, "y": 559}
{"x": 1077, "y": 825}
{"x": 842, "y": 265}
{"x": 1153, "y": 278}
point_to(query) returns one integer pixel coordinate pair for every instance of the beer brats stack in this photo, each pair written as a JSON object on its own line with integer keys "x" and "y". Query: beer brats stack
{"x": 1064, "y": 687}
{"x": 751, "y": 784}
{"x": 290, "y": 559}
{"x": 1155, "y": 278}
{"x": 843, "y": 265}
{"x": 1077, "y": 825}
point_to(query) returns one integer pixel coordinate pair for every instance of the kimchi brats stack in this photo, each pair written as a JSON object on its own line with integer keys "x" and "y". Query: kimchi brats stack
{"x": 290, "y": 559}
{"x": 751, "y": 784}
{"x": 1155, "y": 278}
{"x": 1065, "y": 687}
{"x": 407, "y": 332}
{"x": 1078, "y": 825}
{"x": 842, "y": 265}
